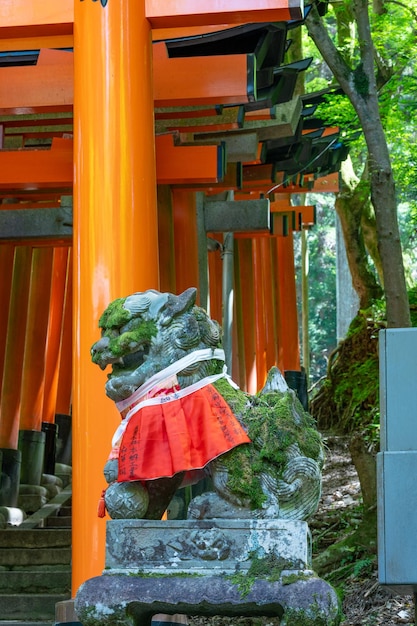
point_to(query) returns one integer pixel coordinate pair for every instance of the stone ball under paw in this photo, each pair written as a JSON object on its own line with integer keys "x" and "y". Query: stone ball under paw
{"x": 126, "y": 500}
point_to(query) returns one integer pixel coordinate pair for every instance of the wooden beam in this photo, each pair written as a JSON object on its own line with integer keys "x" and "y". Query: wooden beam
{"x": 230, "y": 182}
{"x": 174, "y": 13}
{"x": 47, "y": 86}
{"x": 36, "y": 43}
{"x": 31, "y": 170}
{"x": 187, "y": 164}
{"x": 326, "y": 184}
{"x": 196, "y": 167}
{"x": 304, "y": 215}
{"x": 162, "y": 34}
{"x": 40, "y": 18}
{"x": 29, "y": 18}
{"x": 227, "y": 79}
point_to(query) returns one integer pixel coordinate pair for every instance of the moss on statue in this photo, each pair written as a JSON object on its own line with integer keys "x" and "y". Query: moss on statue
{"x": 269, "y": 567}
{"x": 115, "y": 315}
{"x": 124, "y": 343}
{"x": 274, "y": 422}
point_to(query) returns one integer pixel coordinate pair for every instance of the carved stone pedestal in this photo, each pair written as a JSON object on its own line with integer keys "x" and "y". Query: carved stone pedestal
{"x": 207, "y": 567}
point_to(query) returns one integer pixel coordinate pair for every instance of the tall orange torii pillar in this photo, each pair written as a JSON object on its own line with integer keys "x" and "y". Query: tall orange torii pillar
{"x": 115, "y": 229}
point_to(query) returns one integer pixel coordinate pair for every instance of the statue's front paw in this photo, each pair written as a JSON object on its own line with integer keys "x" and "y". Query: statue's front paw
{"x": 128, "y": 500}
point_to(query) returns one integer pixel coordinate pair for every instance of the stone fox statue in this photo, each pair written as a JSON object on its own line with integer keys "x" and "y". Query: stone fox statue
{"x": 183, "y": 417}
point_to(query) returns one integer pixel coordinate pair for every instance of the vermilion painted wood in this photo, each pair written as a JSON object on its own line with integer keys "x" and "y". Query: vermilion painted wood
{"x": 54, "y": 332}
{"x": 35, "y": 43}
{"x": 185, "y": 164}
{"x": 33, "y": 378}
{"x": 185, "y": 238}
{"x": 64, "y": 390}
{"x": 31, "y": 170}
{"x": 115, "y": 239}
{"x": 15, "y": 344}
{"x": 166, "y": 239}
{"x": 288, "y": 330}
{"x": 6, "y": 263}
{"x": 199, "y": 80}
{"x": 47, "y": 86}
{"x": 271, "y": 339}
{"x": 36, "y": 18}
{"x": 42, "y": 17}
{"x": 171, "y": 13}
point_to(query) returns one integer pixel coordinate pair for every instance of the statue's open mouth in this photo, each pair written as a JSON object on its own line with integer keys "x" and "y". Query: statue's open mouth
{"x": 131, "y": 361}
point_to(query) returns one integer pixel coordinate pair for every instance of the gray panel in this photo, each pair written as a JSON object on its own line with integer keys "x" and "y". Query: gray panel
{"x": 397, "y": 519}
{"x": 241, "y": 216}
{"x": 398, "y": 389}
{"x": 36, "y": 223}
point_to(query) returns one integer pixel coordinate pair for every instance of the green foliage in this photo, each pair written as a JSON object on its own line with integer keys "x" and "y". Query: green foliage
{"x": 363, "y": 567}
{"x": 412, "y": 298}
{"x": 360, "y": 389}
{"x": 395, "y": 43}
{"x": 349, "y": 398}
{"x": 322, "y": 284}
{"x": 408, "y": 230}
{"x": 300, "y": 617}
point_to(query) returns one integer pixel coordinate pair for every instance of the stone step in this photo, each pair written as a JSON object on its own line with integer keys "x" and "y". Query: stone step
{"x": 35, "y": 565}
{"x": 59, "y": 521}
{"x": 35, "y": 581}
{"x": 7, "y": 622}
{"x": 16, "y": 537}
{"x": 37, "y": 607}
{"x": 61, "y": 503}
{"x": 10, "y": 557}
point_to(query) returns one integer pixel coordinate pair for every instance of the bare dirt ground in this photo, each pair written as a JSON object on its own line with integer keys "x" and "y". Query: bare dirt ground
{"x": 364, "y": 601}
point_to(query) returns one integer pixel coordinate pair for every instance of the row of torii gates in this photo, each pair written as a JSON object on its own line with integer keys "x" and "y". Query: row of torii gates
{"x": 117, "y": 137}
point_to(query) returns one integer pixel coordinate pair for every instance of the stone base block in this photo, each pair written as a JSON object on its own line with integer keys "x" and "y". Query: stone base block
{"x": 130, "y": 600}
{"x": 210, "y": 567}
{"x": 205, "y": 546}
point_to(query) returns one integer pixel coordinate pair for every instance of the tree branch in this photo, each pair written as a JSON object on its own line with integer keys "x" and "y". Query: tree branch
{"x": 337, "y": 64}
{"x": 404, "y": 6}
{"x": 366, "y": 46}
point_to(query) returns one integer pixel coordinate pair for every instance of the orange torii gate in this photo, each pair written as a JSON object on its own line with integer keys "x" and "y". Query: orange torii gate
{"x": 127, "y": 237}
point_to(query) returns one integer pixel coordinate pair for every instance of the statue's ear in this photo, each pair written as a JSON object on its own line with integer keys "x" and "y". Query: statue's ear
{"x": 178, "y": 304}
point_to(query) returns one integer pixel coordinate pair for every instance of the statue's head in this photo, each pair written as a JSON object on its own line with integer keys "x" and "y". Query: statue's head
{"x": 146, "y": 332}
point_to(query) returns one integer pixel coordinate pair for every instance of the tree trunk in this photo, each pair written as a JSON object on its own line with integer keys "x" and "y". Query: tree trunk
{"x": 350, "y": 206}
{"x": 364, "y": 460}
{"x": 385, "y": 206}
{"x": 370, "y": 237}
